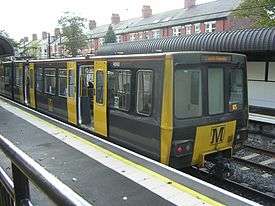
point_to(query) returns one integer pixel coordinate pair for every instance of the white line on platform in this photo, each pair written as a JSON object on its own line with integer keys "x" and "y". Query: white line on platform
{"x": 262, "y": 118}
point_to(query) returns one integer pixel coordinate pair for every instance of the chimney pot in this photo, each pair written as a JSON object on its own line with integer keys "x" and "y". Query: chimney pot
{"x": 34, "y": 37}
{"x": 115, "y": 19}
{"x": 146, "y": 11}
{"x": 26, "y": 39}
{"x": 44, "y": 35}
{"x": 189, "y": 3}
{"x": 92, "y": 24}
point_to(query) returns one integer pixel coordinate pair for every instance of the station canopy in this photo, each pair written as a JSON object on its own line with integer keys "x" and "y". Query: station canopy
{"x": 253, "y": 42}
{"x": 6, "y": 49}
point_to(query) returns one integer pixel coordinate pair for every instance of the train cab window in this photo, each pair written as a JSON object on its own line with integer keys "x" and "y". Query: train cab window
{"x": 144, "y": 92}
{"x": 71, "y": 83}
{"x": 100, "y": 87}
{"x": 188, "y": 93}
{"x": 120, "y": 89}
{"x": 62, "y": 82}
{"x": 39, "y": 80}
{"x": 215, "y": 91}
{"x": 236, "y": 90}
{"x": 50, "y": 81}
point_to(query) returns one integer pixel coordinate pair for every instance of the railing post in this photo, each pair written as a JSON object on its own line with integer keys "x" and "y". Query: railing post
{"x": 21, "y": 186}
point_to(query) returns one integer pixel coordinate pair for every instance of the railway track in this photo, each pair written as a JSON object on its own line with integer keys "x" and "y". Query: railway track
{"x": 242, "y": 189}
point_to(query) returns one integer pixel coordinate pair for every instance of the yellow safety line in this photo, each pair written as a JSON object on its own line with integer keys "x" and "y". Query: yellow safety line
{"x": 132, "y": 164}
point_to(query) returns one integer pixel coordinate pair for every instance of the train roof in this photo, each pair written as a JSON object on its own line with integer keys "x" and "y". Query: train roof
{"x": 237, "y": 41}
{"x": 6, "y": 49}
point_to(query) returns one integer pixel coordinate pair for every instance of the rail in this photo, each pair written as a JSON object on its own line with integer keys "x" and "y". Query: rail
{"x": 24, "y": 168}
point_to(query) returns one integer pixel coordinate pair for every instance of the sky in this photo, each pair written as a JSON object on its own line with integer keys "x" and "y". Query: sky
{"x": 20, "y": 18}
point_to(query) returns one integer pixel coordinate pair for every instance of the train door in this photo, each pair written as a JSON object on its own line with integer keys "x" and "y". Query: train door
{"x": 100, "y": 97}
{"x": 86, "y": 97}
{"x": 32, "y": 85}
{"x": 27, "y": 85}
{"x": 71, "y": 100}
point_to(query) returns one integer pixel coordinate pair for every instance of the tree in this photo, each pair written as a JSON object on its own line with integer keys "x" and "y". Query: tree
{"x": 261, "y": 12}
{"x": 73, "y": 35}
{"x": 110, "y": 36}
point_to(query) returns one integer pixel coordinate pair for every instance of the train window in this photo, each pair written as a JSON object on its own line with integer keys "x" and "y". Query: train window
{"x": 99, "y": 87}
{"x": 144, "y": 92}
{"x": 39, "y": 80}
{"x": 215, "y": 91}
{"x": 71, "y": 83}
{"x": 236, "y": 90}
{"x": 188, "y": 93}
{"x": 62, "y": 82}
{"x": 50, "y": 81}
{"x": 120, "y": 89}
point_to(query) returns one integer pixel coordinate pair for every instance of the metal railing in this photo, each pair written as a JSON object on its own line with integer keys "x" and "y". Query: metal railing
{"x": 24, "y": 168}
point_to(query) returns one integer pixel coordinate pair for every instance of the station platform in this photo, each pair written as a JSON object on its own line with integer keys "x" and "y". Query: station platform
{"x": 99, "y": 171}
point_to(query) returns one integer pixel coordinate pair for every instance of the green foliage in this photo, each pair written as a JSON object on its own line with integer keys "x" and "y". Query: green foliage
{"x": 110, "y": 36}
{"x": 261, "y": 12}
{"x": 73, "y": 33}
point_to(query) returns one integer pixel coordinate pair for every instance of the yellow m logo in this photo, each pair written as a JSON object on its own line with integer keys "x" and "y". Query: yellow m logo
{"x": 217, "y": 134}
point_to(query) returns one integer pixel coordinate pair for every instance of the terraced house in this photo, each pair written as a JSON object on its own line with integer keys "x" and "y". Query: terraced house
{"x": 191, "y": 19}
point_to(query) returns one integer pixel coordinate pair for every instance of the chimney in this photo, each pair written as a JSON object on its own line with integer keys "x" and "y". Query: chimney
{"x": 146, "y": 11}
{"x": 57, "y": 32}
{"x": 189, "y": 3}
{"x": 92, "y": 24}
{"x": 34, "y": 37}
{"x": 115, "y": 18}
{"x": 44, "y": 35}
{"x": 26, "y": 39}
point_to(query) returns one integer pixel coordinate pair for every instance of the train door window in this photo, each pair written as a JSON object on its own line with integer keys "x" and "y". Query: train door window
{"x": 31, "y": 75}
{"x": 236, "y": 90}
{"x": 17, "y": 76}
{"x": 99, "y": 87}
{"x": 62, "y": 82}
{"x": 188, "y": 93}
{"x": 120, "y": 89}
{"x": 50, "y": 81}
{"x": 144, "y": 92}
{"x": 71, "y": 83}
{"x": 216, "y": 90}
{"x": 39, "y": 80}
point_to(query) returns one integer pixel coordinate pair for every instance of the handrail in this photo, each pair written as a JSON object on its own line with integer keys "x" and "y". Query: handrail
{"x": 7, "y": 183}
{"x": 25, "y": 168}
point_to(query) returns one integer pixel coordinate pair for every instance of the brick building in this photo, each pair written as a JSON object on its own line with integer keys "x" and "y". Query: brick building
{"x": 191, "y": 19}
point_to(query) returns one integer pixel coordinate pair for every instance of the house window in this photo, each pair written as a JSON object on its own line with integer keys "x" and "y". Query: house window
{"x": 176, "y": 30}
{"x": 101, "y": 41}
{"x": 146, "y": 35}
{"x": 156, "y": 34}
{"x": 197, "y": 28}
{"x": 132, "y": 37}
{"x": 210, "y": 26}
{"x": 188, "y": 29}
{"x": 118, "y": 38}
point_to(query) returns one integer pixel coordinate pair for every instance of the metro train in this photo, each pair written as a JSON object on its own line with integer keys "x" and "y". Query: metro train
{"x": 180, "y": 108}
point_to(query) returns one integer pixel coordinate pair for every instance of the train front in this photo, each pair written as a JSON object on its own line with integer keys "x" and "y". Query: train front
{"x": 210, "y": 107}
